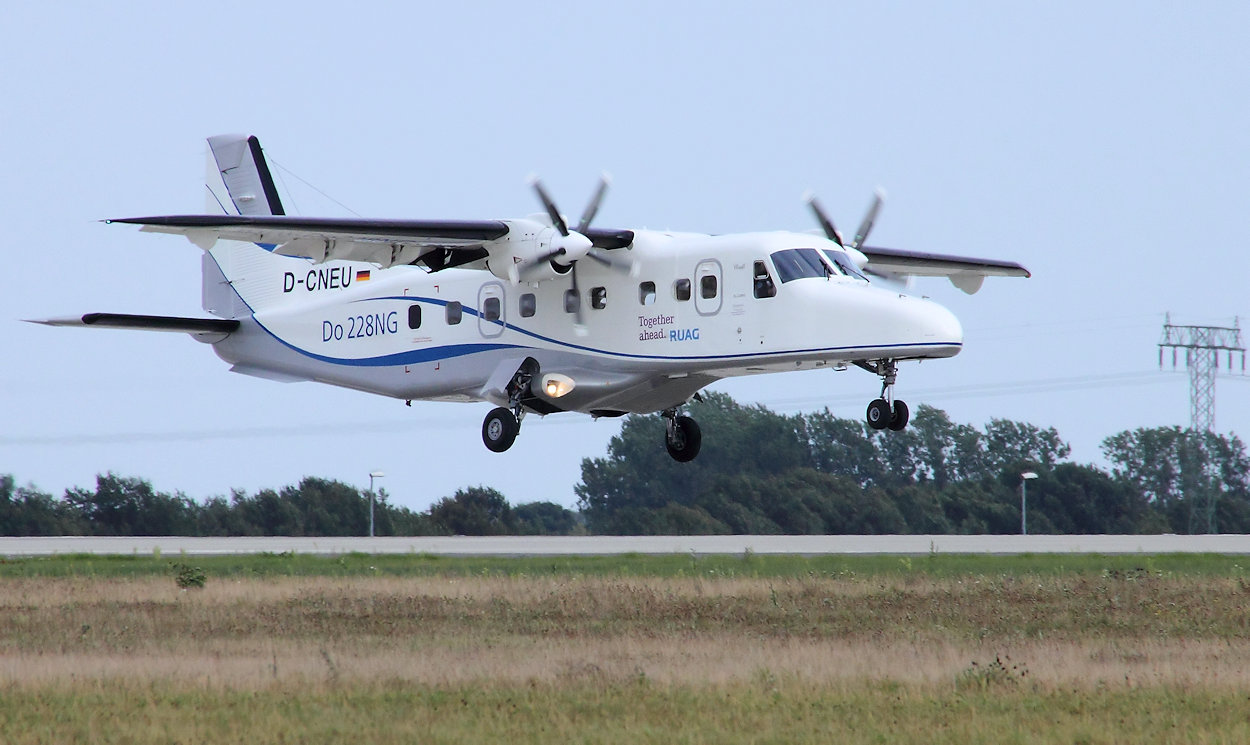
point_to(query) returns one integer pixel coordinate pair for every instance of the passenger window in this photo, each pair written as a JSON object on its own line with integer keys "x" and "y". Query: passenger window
{"x": 529, "y": 304}
{"x": 764, "y": 286}
{"x": 599, "y": 298}
{"x": 454, "y": 312}
{"x": 414, "y": 316}
{"x": 646, "y": 293}
{"x": 572, "y": 299}
{"x": 681, "y": 289}
{"x": 707, "y": 286}
{"x": 491, "y": 308}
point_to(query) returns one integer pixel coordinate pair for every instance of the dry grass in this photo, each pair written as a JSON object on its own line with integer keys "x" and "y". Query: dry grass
{"x": 1123, "y": 657}
{"x": 251, "y": 633}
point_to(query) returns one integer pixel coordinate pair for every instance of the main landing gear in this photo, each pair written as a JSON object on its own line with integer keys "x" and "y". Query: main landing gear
{"x": 886, "y": 411}
{"x": 500, "y": 428}
{"x": 682, "y": 437}
{"x": 502, "y": 424}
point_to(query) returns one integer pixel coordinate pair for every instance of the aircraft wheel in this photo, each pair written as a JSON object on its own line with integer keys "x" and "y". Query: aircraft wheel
{"x": 684, "y": 443}
{"x": 900, "y": 418}
{"x": 499, "y": 430}
{"x": 879, "y": 414}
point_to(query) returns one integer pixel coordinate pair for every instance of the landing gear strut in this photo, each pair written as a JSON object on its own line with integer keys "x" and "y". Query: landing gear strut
{"x": 682, "y": 436}
{"x": 502, "y": 424}
{"x": 886, "y": 411}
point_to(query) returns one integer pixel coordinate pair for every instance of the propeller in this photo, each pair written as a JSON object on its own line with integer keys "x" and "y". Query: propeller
{"x": 865, "y": 226}
{"x": 573, "y": 244}
{"x": 861, "y": 233}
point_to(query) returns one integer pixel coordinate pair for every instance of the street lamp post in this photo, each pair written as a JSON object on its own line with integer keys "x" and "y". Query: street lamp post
{"x": 373, "y": 475}
{"x": 1024, "y": 510}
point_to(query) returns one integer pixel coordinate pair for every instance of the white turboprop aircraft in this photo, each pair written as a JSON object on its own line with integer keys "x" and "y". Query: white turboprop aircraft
{"x": 533, "y": 316}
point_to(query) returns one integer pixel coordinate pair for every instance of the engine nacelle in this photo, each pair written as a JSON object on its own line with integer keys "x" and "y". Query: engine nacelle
{"x": 533, "y": 252}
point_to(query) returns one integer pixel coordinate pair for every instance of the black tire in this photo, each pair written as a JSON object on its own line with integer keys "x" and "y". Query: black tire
{"x": 499, "y": 430}
{"x": 898, "y": 422}
{"x": 684, "y": 445}
{"x": 879, "y": 414}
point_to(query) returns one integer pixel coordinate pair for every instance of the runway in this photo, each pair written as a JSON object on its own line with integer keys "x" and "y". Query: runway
{"x": 810, "y": 545}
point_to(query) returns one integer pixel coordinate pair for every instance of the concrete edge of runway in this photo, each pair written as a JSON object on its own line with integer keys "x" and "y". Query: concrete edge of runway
{"x": 810, "y": 545}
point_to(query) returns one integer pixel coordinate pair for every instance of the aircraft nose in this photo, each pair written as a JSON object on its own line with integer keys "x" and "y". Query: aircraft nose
{"x": 941, "y": 324}
{"x": 933, "y": 326}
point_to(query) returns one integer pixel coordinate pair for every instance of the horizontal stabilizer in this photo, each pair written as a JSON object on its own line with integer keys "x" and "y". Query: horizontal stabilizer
{"x": 146, "y": 323}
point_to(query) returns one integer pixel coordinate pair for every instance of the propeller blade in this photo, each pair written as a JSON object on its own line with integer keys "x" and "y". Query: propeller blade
{"x": 593, "y": 207}
{"x": 825, "y": 223}
{"x": 865, "y": 227}
{"x": 580, "y": 326}
{"x": 557, "y": 221}
{"x": 603, "y": 258}
{"x": 524, "y": 266}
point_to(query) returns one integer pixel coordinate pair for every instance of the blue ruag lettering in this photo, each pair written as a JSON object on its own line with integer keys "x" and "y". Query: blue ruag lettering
{"x": 683, "y": 334}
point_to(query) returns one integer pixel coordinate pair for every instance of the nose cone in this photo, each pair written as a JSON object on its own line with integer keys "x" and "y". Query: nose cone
{"x": 938, "y": 327}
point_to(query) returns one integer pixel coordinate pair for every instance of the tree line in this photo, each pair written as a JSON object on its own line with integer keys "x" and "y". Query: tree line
{"x": 763, "y": 472}
{"x": 126, "y": 506}
{"x": 758, "y": 472}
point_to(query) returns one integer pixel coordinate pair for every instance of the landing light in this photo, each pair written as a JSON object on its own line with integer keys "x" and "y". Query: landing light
{"x": 556, "y": 385}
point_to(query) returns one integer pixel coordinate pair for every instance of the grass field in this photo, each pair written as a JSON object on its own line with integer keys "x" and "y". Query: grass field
{"x": 626, "y": 649}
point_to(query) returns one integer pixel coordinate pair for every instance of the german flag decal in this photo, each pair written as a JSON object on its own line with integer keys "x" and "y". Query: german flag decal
{"x": 362, "y": 275}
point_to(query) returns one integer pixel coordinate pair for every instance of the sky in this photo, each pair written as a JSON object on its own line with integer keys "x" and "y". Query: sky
{"x": 1105, "y": 146}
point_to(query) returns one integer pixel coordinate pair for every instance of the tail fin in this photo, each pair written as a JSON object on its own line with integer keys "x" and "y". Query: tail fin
{"x": 237, "y": 163}
{"x": 239, "y": 278}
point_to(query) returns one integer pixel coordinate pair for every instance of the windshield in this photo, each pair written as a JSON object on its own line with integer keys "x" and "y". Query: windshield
{"x": 843, "y": 262}
{"x": 797, "y": 263}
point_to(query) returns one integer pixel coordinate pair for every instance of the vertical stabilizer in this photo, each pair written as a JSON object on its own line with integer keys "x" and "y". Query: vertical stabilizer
{"x": 239, "y": 278}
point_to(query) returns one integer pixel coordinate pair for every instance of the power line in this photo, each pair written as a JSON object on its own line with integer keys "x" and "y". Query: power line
{"x": 987, "y": 390}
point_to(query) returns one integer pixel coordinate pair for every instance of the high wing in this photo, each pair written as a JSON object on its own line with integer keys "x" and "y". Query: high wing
{"x": 439, "y": 244}
{"x": 382, "y": 242}
{"x": 965, "y": 273}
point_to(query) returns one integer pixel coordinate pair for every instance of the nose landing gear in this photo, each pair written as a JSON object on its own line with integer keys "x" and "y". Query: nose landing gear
{"x": 886, "y": 411}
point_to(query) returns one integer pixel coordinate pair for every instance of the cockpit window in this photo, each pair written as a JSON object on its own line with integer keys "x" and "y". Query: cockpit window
{"x": 797, "y": 263}
{"x": 843, "y": 262}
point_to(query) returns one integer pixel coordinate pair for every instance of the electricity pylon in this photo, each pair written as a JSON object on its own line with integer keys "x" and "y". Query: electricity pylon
{"x": 1202, "y": 345}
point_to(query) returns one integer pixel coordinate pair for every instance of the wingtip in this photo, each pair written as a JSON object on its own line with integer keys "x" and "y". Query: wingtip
{"x": 60, "y": 321}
